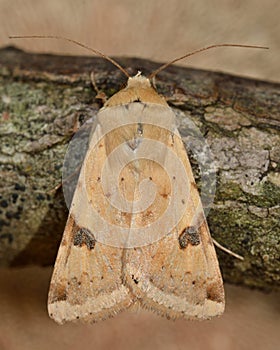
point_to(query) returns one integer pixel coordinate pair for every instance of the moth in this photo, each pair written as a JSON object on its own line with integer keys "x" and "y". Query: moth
{"x": 136, "y": 235}
{"x": 177, "y": 274}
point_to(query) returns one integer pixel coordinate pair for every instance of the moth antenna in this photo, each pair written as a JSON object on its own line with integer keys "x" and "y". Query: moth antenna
{"x": 200, "y": 50}
{"x": 96, "y": 52}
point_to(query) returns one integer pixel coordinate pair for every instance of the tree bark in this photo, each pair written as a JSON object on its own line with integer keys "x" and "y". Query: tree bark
{"x": 44, "y": 98}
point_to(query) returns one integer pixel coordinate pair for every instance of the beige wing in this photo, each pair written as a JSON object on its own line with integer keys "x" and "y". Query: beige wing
{"x": 87, "y": 282}
{"x": 177, "y": 276}
{"x": 177, "y": 281}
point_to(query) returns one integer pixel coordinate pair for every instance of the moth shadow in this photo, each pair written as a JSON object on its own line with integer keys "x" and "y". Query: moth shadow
{"x": 41, "y": 250}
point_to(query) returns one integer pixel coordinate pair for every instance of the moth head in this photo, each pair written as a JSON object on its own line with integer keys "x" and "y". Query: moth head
{"x": 137, "y": 81}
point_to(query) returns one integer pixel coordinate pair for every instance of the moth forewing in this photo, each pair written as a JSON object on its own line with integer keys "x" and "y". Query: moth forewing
{"x": 179, "y": 275}
{"x": 87, "y": 280}
{"x": 117, "y": 251}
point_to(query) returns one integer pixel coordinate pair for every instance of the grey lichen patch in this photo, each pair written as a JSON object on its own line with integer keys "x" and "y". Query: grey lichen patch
{"x": 257, "y": 139}
{"x": 260, "y": 212}
{"x": 226, "y": 118}
{"x": 247, "y": 198}
{"x": 269, "y": 196}
{"x": 185, "y": 121}
{"x": 242, "y": 231}
{"x": 226, "y": 152}
{"x": 246, "y": 159}
{"x": 230, "y": 191}
{"x": 43, "y": 143}
{"x": 274, "y": 178}
{"x": 36, "y": 122}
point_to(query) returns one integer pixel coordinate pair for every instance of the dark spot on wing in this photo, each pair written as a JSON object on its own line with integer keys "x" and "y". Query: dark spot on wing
{"x": 135, "y": 280}
{"x": 193, "y": 235}
{"x": 215, "y": 292}
{"x": 59, "y": 293}
{"x": 64, "y": 242}
{"x": 189, "y": 235}
{"x": 140, "y": 129}
{"x": 134, "y": 143}
{"x": 194, "y": 185}
{"x": 84, "y": 237}
{"x": 172, "y": 140}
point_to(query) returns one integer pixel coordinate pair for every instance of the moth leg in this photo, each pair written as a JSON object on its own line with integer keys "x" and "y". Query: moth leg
{"x": 100, "y": 95}
{"x": 228, "y": 251}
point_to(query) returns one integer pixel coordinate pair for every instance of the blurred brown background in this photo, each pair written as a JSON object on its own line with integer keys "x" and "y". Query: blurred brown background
{"x": 158, "y": 30}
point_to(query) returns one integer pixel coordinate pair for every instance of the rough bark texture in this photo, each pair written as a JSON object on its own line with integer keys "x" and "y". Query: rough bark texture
{"x": 43, "y": 100}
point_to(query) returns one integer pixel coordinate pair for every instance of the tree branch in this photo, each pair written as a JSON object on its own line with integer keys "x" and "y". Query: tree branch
{"x": 44, "y": 98}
